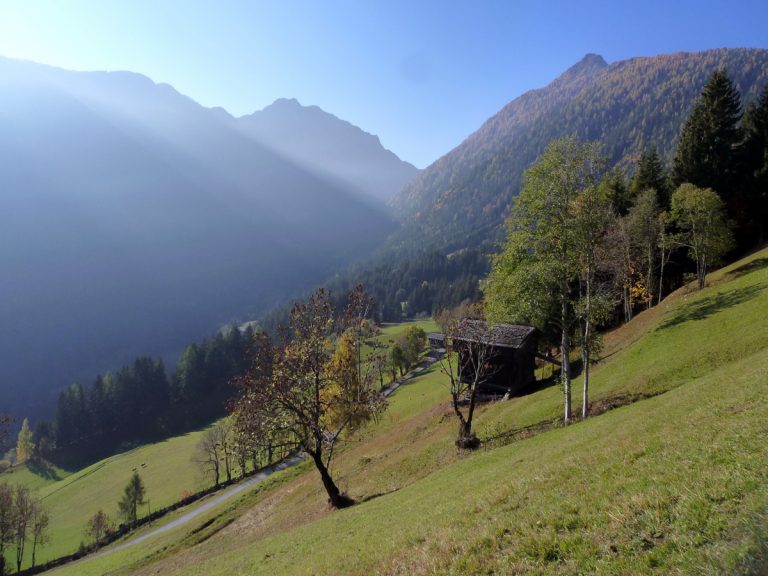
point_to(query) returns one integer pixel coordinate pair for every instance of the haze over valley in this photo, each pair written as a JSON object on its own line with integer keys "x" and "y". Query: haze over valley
{"x": 137, "y": 221}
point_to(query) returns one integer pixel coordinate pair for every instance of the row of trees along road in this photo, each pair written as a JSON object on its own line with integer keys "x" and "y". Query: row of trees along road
{"x": 304, "y": 391}
{"x": 23, "y": 524}
{"x": 580, "y": 239}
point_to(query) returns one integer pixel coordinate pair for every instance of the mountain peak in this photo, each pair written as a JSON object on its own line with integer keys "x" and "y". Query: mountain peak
{"x": 285, "y": 103}
{"x": 589, "y": 64}
{"x": 593, "y": 59}
{"x": 314, "y": 138}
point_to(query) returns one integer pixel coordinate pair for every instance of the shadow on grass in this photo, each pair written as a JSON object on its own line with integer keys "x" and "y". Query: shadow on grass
{"x": 43, "y": 469}
{"x": 749, "y": 267}
{"x": 539, "y": 385}
{"x": 497, "y": 438}
{"x": 377, "y": 495}
{"x": 706, "y": 307}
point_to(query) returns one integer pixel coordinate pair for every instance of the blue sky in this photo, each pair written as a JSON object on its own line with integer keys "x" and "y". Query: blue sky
{"x": 421, "y": 74}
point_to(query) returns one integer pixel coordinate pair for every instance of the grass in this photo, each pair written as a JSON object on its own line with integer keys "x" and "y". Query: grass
{"x": 391, "y": 331}
{"x": 634, "y": 491}
{"x": 676, "y": 483}
{"x": 197, "y": 531}
{"x": 72, "y": 498}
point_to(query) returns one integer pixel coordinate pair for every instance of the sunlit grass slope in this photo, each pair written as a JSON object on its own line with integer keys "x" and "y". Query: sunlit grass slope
{"x": 675, "y": 483}
{"x": 72, "y": 498}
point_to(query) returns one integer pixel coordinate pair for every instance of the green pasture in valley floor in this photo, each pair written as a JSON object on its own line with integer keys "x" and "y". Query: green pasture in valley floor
{"x": 391, "y": 331}
{"x": 166, "y": 467}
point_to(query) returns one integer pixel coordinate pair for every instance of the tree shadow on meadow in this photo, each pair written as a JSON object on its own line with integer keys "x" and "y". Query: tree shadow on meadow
{"x": 376, "y": 495}
{"x": 706, "y": 307}
{"x": 43, "y": 469}
{"x": 749, "y": 267}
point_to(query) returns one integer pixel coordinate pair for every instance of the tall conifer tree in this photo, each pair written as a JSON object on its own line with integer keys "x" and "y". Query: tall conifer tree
{"x": 756, "y": 165}
{"x": 707, "y": 154}
{"x": 651, "y": 174}
{"x": 133, "y": 497}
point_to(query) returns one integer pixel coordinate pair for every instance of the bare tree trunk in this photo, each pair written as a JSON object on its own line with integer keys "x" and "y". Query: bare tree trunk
{"x": 466, "y": 438}
{"x": 335, "y": 497}
{"x": 565, "y": 349}
{"x": 628, "y": 301}
{"x": 661, "y": 273}
{"x": 585, "y": 352}
{"x": 20, "y": 553}
{"x": 649, "y": 279}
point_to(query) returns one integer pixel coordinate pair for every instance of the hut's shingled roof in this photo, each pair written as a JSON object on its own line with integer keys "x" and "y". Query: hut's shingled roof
{"x": 503, "y": 335}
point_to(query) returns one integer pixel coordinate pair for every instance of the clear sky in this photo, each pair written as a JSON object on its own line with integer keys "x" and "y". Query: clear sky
{"x": 421, "y": 74}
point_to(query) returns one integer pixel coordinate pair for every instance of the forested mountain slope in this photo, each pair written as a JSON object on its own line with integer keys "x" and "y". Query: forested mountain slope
{"x": 135, "y": 221}
{"x": 628, "y": 106}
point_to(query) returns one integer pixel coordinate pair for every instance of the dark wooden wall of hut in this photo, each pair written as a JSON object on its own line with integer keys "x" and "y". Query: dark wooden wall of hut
{"x": 509, "y": 369}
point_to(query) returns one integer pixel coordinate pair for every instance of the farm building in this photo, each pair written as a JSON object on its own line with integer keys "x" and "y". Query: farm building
{"x": 436, "y": 340}
{"x": 503, "y": 356}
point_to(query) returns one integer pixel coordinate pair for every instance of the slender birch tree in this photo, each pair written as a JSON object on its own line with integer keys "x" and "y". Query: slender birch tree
{"x": 40, "y": 533}
{"x": 540, "y": 261}
{"x": 593, "y": 215}
{"x": 643, "y": 222}
{"x": 23, "y": 511}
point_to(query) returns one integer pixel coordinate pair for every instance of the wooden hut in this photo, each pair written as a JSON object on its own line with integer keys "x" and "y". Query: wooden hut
{"x": 503, "y": 354}
{"x": 436, "y": 340}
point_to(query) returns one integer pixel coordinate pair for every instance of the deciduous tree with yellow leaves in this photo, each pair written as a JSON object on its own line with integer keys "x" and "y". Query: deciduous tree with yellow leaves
{"x": 310, "y": 388}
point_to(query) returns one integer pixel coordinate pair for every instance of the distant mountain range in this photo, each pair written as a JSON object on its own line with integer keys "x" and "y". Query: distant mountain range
{"x": 463, "y": 198}
{"x": 135, "y": 221}
{"x": 329, "y": 146}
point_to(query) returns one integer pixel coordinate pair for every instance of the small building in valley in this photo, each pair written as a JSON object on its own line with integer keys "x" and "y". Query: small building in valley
{"x": 436, "y": 340}
{"x": 501, "y": 357}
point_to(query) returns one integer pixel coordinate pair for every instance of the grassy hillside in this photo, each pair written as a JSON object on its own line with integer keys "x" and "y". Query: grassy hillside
{"x": 72, "y": 498}
{"x": 675, "y": 483}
